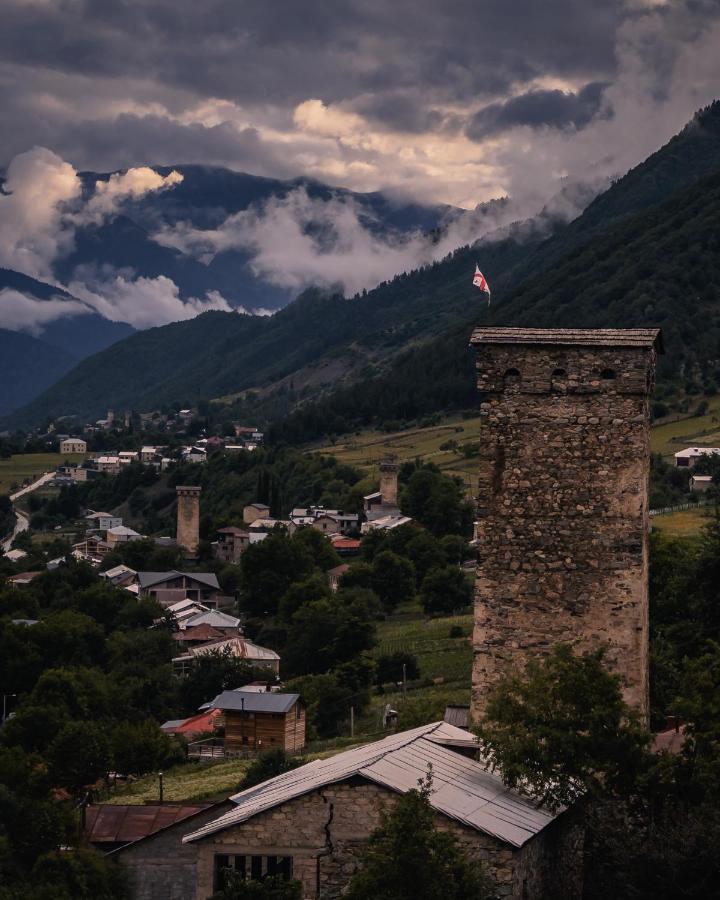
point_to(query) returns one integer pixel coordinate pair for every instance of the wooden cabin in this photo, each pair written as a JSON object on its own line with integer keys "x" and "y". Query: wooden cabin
{"x": 255, "y": 722}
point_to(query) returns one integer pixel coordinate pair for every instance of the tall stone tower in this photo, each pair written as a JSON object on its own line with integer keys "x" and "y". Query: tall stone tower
{"x": 389, "y": 481}
{"x": 188, "y": 519}
{"x": 563, "y": 499}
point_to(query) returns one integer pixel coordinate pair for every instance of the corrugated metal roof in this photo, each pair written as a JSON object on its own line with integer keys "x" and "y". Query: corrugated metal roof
{"x": 148, "y": 579}
{"x": 253, "y": 701}
{"x": 457, "y": 715}
{"x": 596, "y": 337}
{"x": 111, "y": 824}
{"x": 463, "y": 789}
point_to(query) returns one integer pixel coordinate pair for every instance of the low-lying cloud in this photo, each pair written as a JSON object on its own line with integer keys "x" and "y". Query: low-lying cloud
{"x": 145, "y": 302}
{"x": 298, "y": 241}
{"x": 21, "y": 312}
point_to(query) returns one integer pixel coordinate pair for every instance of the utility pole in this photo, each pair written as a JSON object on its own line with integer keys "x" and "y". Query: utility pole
{"x": 404, "y": 682}
{"x": 160, "y": 776}
{"x": 5, "y": 696}
{"x": 352, "y": 721}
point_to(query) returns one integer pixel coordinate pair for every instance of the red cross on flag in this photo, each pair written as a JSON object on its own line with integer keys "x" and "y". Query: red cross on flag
{"x": 481, "y": 282}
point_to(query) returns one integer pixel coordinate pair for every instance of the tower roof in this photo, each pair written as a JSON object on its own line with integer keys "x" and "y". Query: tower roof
{"x": 635, "y": 338}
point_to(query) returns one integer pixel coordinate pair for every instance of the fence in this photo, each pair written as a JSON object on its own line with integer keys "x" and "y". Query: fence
{"x": 681, "y": 507}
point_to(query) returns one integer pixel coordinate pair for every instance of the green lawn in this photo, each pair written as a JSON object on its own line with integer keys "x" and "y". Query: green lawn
{"x": 366, "y": 449}
{"x": 669, "y": 437}
{"x": 23, "y": 466}
{"x": 684, "y": 522}
{"x": 193, "y": 781}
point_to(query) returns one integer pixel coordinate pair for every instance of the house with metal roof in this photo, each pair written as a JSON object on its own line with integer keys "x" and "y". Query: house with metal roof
{"x": 253, "y": 721}
{"x": 171, "y": 587}
{"x": 312, "y": 822}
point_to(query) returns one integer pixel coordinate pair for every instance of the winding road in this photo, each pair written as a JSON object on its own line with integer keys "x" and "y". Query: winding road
{"x": 22, "y": 523}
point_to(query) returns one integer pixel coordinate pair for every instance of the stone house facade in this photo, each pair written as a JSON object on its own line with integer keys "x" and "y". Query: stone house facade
{"x": 313, "y": 823}
{"x": 563, "y": 515}
{"x": 323, "y": 834}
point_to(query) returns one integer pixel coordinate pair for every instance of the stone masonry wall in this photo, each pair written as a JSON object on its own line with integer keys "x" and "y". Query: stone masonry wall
{"x": 563, "y": 518}
{"x": 345, "y": 815}
{"x": 161, "y": 867}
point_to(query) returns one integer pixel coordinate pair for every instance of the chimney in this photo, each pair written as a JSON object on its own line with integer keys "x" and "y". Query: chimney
{"x": 188, "y": 519}
{"x": 389, "y": 481}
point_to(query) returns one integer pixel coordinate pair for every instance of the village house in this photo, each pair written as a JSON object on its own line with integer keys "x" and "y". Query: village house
{"x": 238, "y": 647}
{"x": 128, "y": 456}
{"x": 381, "y": 507}
{"x": 700, "y": 483}
{"x": 312, "y": 823}
{"x": 121, "y": 534}
{"x": 254, "y": 721}
{"x": 92, "y": 549}
{"x": 101, "y": 521}
{"x": 120, "y": 576}
{"x": 254, "y": 511}
{"x": 108, "y": 465}
{"x": 688, "y": 457}
{"x": 73, "y": 445}
{"x": 157, "y": 864}
{"x": 329, "y": 521}
{"x": 170, "y": 587}
{"x": 230, "y": 543}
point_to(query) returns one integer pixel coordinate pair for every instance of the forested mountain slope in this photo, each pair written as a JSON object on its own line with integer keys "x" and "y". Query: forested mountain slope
{"x": 320, "y": 341}
{"x": 661, "y": 267}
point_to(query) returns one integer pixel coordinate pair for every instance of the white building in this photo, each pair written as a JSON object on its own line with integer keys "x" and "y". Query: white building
{"x": 700, "y": 483}
{"x": 73, "y": 445}
{"x": 690, "y": 455}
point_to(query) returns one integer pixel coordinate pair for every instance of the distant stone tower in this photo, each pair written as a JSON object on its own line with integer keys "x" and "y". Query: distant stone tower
{"x": 563, "y": 499}
{"x": 110, "y": 418}
{"x": 389, "y": 481}
{"x": 188, "y": 519}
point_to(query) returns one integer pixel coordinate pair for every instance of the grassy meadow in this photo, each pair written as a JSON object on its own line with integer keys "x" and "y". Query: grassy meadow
{"x": 22, "y": 466}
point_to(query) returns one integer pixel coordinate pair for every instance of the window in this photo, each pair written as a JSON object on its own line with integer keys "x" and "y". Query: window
{"x": 255, "y": 868}
{"x": 607, "y": 374}
{"x": 559, "y": 373}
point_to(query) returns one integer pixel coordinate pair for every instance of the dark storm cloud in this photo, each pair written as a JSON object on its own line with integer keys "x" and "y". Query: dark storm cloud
{"x": 288, "y": 50}
{"x": 555, "y": 109}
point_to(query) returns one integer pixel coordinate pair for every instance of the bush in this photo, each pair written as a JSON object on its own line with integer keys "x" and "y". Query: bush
{"x": 444, "y": 591}
{"x": 390, "y": 667}
{"x": 268, "y": 765}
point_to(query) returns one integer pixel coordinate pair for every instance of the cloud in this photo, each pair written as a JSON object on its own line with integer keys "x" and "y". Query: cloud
{"x": 537, "y": 109}
{"x": 145, "y": 302}
{"x": 32, "y": 231}
{"x": 299, "y": 241}
{"x": 109, "y": 195}
{"x": 20, "y": 312}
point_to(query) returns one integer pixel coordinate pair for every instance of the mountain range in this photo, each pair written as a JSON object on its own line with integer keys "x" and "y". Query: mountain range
{"x": 644, "y": 252}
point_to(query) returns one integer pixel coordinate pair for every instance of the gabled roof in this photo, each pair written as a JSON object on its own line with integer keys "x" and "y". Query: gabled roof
{"x": 150, "y": 579}
{"x": 253, "y": 701}
{"x": 236, "y": 646}
{"x": 213, "y": 617}
{"x": 463, "y": 789}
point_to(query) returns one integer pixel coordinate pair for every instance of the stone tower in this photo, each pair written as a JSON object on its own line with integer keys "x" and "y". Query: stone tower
{"x": 389, "y": 481}
{"x": 563, "y": 499}
{"x": 188, "y": 519}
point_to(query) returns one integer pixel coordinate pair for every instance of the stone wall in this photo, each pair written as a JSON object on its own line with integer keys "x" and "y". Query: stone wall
{"x": 324, "y": 833}
{"x": 563, "y": 519}
{"x": 161, "y": 867}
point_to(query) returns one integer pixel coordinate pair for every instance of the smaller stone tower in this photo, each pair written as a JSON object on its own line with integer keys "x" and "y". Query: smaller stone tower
{"x": 110, "y": 418}
{"x": 188, "y": 519}
{"x": 389, "y": 481}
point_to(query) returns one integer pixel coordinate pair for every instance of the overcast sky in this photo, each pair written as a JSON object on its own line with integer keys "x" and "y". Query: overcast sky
{"x": 443, "y": 100}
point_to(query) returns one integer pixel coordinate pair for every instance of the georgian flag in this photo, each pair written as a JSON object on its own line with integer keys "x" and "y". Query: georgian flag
{"x": 481, "y": 282}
